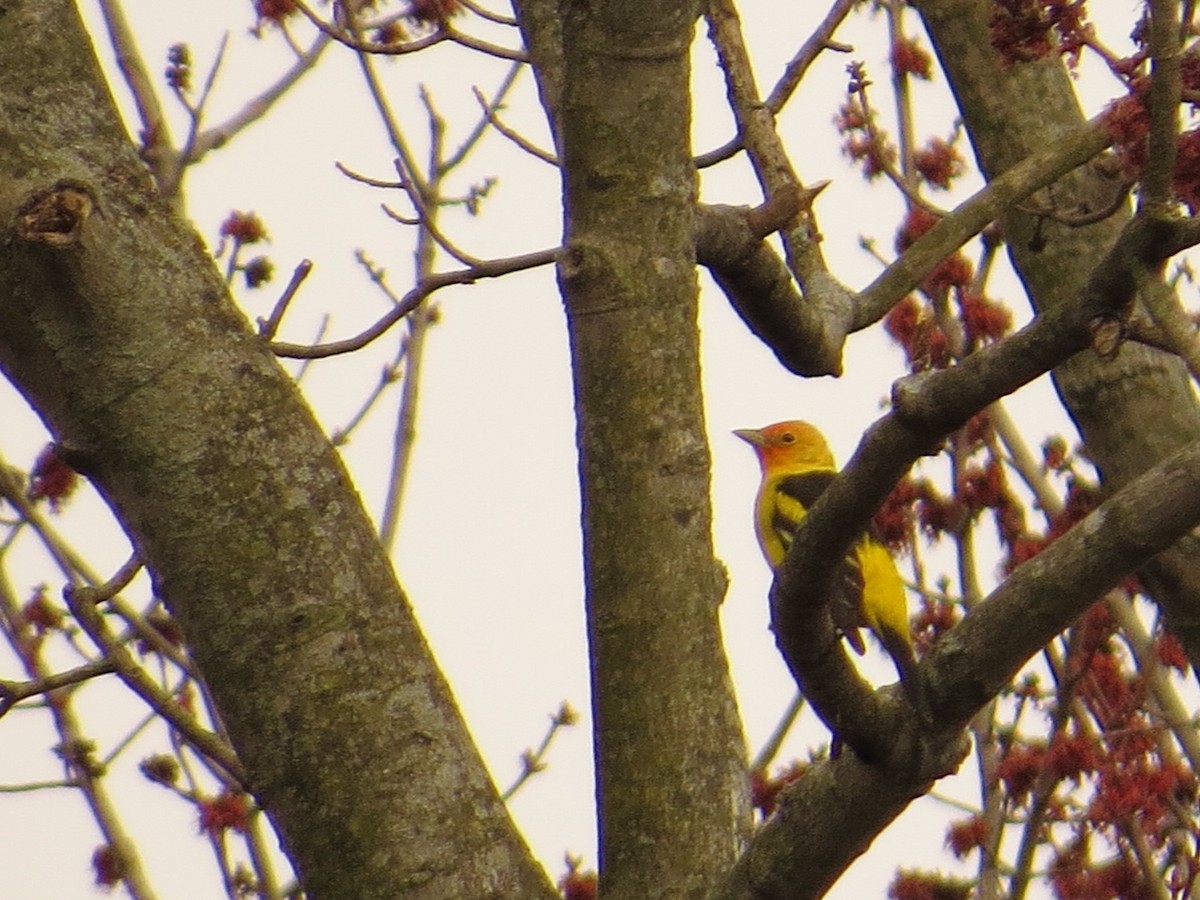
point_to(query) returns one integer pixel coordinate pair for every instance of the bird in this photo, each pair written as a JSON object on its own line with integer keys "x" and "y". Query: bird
{"x": 797, "y": 466}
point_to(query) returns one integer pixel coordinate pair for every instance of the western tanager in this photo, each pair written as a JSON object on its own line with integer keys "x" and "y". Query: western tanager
{"x": 797, "y": 466}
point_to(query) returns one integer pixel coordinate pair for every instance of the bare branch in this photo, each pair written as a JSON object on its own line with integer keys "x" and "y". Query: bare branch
{"x": 82, "y": 602}
{"x": 13, "y": 692}
{"x": 1158, "y": 177}
{"x": 444, "y": 32}
{"x": 490, "y": 269}
{"x": 156, "y": 135}
{"x": 973, "y": 215}
{"x": 269, "y": 326}
{"x": 820, "y": 41}
{"x": 480, "y": 129}
{"x": 487, "y": 14}
{"x": 1174, "y": 329}
{"x": 219, "y": 135}
{"x": 522, "y": 142}
{"x": 830, "y": 303}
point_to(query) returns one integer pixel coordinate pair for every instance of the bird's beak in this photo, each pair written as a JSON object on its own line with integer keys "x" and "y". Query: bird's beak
{"x": 751, "y": 436}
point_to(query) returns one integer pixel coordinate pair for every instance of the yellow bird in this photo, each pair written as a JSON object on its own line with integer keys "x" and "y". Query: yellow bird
{"x": 797, "y": 465}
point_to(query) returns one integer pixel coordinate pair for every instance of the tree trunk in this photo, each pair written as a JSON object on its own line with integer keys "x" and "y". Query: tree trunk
{"x": 670, "y": 755}
{"x": 116, "y": 327}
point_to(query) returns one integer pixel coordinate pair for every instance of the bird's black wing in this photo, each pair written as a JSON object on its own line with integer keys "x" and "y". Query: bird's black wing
{"x": 797, "y": 494}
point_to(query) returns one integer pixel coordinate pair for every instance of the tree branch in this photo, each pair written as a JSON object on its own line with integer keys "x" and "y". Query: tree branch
{"x": 925, "y": 408}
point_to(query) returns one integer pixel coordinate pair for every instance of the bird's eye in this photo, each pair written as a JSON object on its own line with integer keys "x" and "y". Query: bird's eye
{"x": 787, "y": 438}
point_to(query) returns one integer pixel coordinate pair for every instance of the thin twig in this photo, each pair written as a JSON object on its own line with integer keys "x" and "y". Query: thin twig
{"x": 257, "y": 107}
{"x": 524, "y": 143}
{"x": 534, "y": 761}
{"x": 1158, "y": 175}
{"x": 268, "y": 328}
{"x": 388, "y": 377}
{"x": 471, "y": 141}
{"x": 428, "y": 220}
{"x": 13, "y": 692}
{"x": 196, "y": 111}
{"x": 817, "y": 43}
{"x": 367, "y": 179}
{"x": 902, "y": 181}
{"x": 156, "y": 136}
{"x": 770, "y": 748}
{"x": 487, "y": 14}
{"x": 82, "y": 604}
{"x": 443, "y": 33}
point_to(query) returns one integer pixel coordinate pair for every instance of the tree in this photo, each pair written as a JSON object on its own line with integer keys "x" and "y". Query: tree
{"x": 323, "y": 705}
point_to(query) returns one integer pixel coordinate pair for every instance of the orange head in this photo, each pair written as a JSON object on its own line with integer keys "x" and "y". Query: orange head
{"x": 789, "y": 445}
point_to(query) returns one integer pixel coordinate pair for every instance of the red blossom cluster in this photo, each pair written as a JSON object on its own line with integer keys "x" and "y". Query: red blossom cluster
{"x": 935, "y": 617}
{"x": 161, "y": 768}
{"x": 166, "y": 626}
{"x": 51, "y": 478}
{"x": 274, "y": 10}
{"x": 939, "y": 163}
{"x": 764, "y": 789}
{"x": 910, "y": 884}
{"x": 1142, "y": 789}
{"x": 1113, "y": 697}
{"x": 1128, "y": 123}
{"x": 1054, "y": 454}
{"x": 981, "y": 487}
{"x": 432, "y": 12}
{"x": 939, "y": 514}
{"x": 576, "y": 884}
{"x": 228, "y": 810}
{"x": 1075, "y": 877}
{"x": 1019, "y": 768}
{"x": 913, "y": 327}
{"x": 1081, "y": 499}
{"x": 258, "y": 271}
{"x": 40, "y": 614}
{"x": 1072, "y": 756}
{"x": 1028, "y": 30}
{"x": 978, "y": 487}
{"x": 864, "y": 143}
{"x": 908, "y": 57}
{"x": 247, "y": 228}
{"x": 1171, "y": 653}
{"x": 179, "y": 68}
{"x": 984, "y": 320}
{"x": 108, "y": 866}
{"x": 1116, "y": 752}
{"x": 1132, "y": 783}
{"x": 1022, "y": 546}
{"x": 894, "y": 525}
{"x": 1187, "y": 169}
{"x": 966, "y": 835}
{"x": 391, "y": 32}
{"x": 244, "y": 228}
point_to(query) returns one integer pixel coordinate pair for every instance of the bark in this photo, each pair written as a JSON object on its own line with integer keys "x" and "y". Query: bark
{"x": 1136, "y": 408}
{"x": 116, "y": 327}
{"x": 671, "y": 780}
